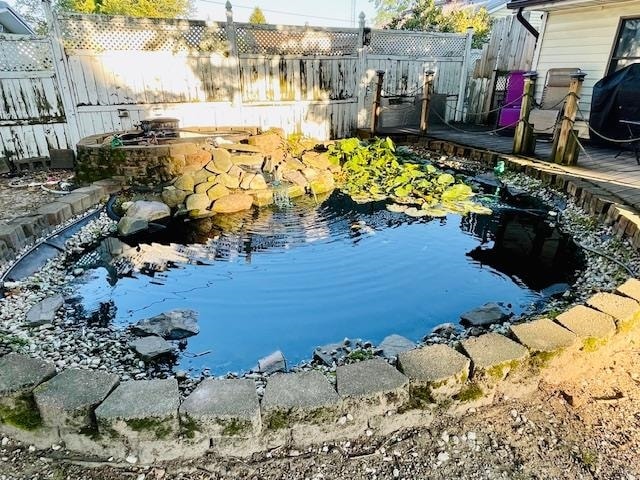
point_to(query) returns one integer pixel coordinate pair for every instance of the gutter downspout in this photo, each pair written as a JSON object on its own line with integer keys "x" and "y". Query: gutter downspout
{"x": 525, "y": 23}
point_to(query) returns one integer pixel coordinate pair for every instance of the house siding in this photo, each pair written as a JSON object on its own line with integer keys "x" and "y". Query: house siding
{"x": 583, "y": 38}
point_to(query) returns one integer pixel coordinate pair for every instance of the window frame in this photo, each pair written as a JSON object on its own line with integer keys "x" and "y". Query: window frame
{"x": 616, "y": 41}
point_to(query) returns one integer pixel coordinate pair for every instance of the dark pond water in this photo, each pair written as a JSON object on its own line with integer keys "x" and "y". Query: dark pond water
{"x": 297, "y": 277}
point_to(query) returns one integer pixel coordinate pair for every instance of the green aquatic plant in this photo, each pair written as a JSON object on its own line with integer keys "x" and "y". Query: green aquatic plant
{"x": 372, "y": 171}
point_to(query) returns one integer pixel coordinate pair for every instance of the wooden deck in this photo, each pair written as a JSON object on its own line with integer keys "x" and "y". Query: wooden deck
{"x": 620, "y": 176}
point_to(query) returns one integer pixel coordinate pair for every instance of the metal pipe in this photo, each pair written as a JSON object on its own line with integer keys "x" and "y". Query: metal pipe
{"x": 525, "y": 23}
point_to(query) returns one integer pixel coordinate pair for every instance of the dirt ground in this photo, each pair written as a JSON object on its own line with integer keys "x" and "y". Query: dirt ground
{"x": 582, "y": 421}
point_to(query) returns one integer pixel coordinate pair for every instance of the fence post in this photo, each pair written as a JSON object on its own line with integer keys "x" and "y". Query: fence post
{"x": 361, "y": 77}
{"x": 233, "y": 54}
{"x": 523, "y": 137}
{"x": 427, "y": 90}
{"x": 464, "y": 75}
{"x": 375, "y": 110}
{"x": 565, "y": 148}
{"x": 61, "y": 68}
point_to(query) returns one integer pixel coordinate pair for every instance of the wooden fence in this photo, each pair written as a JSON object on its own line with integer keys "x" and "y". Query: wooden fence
{"x": 510, "y": 48}
{"x": 107, "y": 73}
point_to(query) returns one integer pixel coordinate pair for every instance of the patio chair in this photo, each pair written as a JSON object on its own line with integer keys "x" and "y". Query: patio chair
{"x": 545, "y": 116}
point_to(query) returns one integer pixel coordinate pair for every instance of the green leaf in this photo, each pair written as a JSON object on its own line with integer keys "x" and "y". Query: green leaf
{"x": 446, "y": 179}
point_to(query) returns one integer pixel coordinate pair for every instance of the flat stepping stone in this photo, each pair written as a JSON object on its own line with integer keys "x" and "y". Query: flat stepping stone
{"x": 543, "y": 335}
{"x": 434, "y": 364}
{"x": 247, "y": 159}
{"x": 367, "y": 378}
{"x": 69, "y": 399}
{"x": 44, "y": 311}
{"x": 487, "y": 314}
{"x": 586, "y": 322}
{"x": 494, "y": 352}
{"x": 151, "y": 347}
{"x": 141, "y": 409}
{"x": 623, "y": 309}
{"x": 222, "y": 407}
{"x": 304, "y": 390}
{"x": 393, "y": 345}
{"x": 630, "y": 288}
{"x": 19, "y": 374}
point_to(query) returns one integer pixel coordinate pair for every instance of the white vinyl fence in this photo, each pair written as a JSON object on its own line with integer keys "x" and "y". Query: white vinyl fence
{"x": 108, "y": 73}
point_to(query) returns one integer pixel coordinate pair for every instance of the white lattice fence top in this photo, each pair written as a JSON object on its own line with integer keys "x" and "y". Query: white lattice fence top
{"x": 102, "y": 32}
{"x": 290, "y": 40}
{"x": 24, "y": 53}
{"x": 416, "y": 44}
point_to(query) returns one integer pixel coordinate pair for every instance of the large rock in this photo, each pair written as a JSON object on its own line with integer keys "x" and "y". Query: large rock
{"x": 129, "y": 226}
{"x": 393, "y": 345}
{"x": 204, "y": 186}
{"x": 494, "y": 355}
{"x": 230, "y": 181}
{"x": 267, "y": 142}
{"x": 151, "y": 347}
{"x": 323, "y": 183}
{"x": 198, "y": 203}
{"x": 221, "y": 161}
{"x": 148, "y": 210}
{"x": 303, "y": 390}
{"x": 184, "y": 182}
{"x": 587, "y": 323}
{"x": 369, "y": 378}
{"x": 44, "y": 311}
{"x": 274, "y": 362}
{"x": 68, "y": 400}
{"x": 543, "y": 335}
{"x": 217, "y": 191}
{"x": 487, "y": 314}
{"x": 171, "y": 325}
{"x": 258, "y": 182}
{"x": 316, "y": 160}
{"x": 174, "y": 196}
{"x": 236, "y": 202}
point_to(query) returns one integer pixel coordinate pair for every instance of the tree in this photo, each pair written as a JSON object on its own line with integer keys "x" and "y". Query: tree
{"x": 257, "y": 17}
{"x": 32, "y": 10}
{"x": 425, "y": 15}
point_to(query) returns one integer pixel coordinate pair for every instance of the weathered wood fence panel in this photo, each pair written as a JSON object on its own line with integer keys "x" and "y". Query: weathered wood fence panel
{"x": 112, "y": 72}
{"x": 510, "y": 48}
{"x": 32, "y": 118}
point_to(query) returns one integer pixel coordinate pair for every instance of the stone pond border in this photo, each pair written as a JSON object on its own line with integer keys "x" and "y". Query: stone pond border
{"x": 93, "y": 413}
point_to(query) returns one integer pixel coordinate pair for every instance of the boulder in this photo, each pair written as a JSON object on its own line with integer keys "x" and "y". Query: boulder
{"x": 293, "y": 164}
{"x": 184, "y": 182}
{"x": 487, "y": 314}
{"x": 229, "y": 181}
{"x": 248, "y": 159}
{"x": 246, "y": 181}
{"x": 295, "y": 177}
{"x": 148, "y": 210}
{"x": 44, "y": 311}
{"x": 171, "y": 325}
{"x": 221, "y": 161}
{"x": 275, "y": 362}
{"x": 201, "y": 176}
{"x": 323, "y": 183}
{"x": 267, "y": 142}
{"x": 393, "y": 345}
{"x": 235, "y": 202}
{"x": 204, "y": 187}
{"x": 261, "y": 198}
{"x": 217, "y": 191}
{"x": 294, "y": 191}
{"x": 316, "y": 160}
{"x": 151, "y": 347}
{"x": 258, "y": 182}
{"x": 198, "y": 203}
{"x": 173, "y": 196}
{"x": 310, "y": 173}
{"x": 129, "y": 226}
{"x": 199, "y": 158}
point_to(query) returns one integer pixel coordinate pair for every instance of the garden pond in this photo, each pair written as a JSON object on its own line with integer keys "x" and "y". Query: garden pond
{"x": 317, "y": 271}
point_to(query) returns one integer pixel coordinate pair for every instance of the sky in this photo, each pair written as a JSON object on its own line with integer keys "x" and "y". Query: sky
{"x": 333, "y": 13}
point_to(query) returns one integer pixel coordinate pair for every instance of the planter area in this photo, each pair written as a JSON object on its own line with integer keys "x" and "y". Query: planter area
{"x": 141, "y": 415}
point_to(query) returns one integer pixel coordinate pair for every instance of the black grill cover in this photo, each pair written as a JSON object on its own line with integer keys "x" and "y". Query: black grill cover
{"x": 616, "y": 97}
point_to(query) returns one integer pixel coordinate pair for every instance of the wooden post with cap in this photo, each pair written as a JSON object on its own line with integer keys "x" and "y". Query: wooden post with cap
{"x": 427, "y": 91}
{"x": 375, "y": 111}
{"x": 565, "y": 145}
{"x": 523, "y": 140}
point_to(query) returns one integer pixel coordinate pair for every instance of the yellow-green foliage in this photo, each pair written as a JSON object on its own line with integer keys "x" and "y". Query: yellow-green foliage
{"x": 371, "y": 171}
{"x": 591, "y": 344}
{"x": 161, "y": 429}
{"x": 469, "y": 393}
{"x": 23, "y": 414}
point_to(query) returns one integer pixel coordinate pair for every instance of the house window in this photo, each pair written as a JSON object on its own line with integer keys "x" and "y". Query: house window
{"x": 627, "y": 47}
